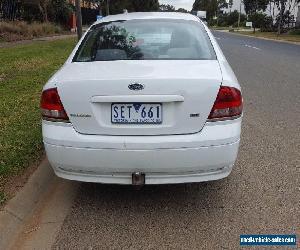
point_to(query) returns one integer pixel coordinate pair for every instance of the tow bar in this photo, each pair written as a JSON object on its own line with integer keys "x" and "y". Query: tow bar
{"x": 138, "y": 179}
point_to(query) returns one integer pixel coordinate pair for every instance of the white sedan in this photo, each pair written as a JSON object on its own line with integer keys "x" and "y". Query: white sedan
{"x": 144, "y": 98}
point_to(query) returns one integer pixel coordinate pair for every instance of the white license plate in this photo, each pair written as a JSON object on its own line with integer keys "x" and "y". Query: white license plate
{"x": 136, "y": 113}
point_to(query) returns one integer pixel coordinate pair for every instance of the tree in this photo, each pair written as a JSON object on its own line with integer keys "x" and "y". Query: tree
{"x": 59, "y": 11}
{"x": 167, "y": 8}
{"x": 230, "y": 4}
{"x": 260, "y": 20}
{"x": 99, "y": 4}
{"x": 233, "y": 18}
{"x": 253, "y": 6}
{"x": 42, "y": 5}
{"x": 145, "y": 5}
{"x": 212, "y": 7}
{"x": 285, "y": 8}
{"x": 182, "y": 10}
{"x": 117, "y": 6}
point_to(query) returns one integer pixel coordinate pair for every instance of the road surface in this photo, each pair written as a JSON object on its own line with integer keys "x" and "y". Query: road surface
{"x": 261, "y": 195}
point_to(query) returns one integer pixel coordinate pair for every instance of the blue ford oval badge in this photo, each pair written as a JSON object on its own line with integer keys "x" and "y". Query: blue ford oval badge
{"x": 136, "y": 86}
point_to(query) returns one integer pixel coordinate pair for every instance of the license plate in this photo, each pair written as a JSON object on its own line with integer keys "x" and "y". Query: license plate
{"x": 136, "y": 113}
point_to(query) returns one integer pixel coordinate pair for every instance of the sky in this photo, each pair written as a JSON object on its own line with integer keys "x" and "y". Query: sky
{"x": 187, "y": 4}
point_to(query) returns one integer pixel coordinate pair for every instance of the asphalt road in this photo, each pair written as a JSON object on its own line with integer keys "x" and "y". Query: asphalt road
{"x": 261, "y": 195}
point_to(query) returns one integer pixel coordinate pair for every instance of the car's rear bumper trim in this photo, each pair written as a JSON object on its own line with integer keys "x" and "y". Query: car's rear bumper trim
{"x": 160, "y": 166}
{"x": 150, "y": 179}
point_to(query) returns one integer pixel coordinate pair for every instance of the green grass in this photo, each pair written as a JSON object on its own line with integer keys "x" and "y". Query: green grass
{"x": 23, "y": 72}
{"x": 226, "y": 28}
{"x": 218, "y": 28}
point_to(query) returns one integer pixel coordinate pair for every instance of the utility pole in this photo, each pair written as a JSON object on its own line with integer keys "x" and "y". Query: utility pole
{"x": 78, "y": 19}
{"x": 107, "y": 7}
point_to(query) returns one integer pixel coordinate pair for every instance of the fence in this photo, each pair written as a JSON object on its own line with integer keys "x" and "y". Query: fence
{"x": 10, "y": 10}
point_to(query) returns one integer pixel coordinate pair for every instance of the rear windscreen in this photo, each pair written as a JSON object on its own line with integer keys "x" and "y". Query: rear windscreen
{"x": 157, "y": 39}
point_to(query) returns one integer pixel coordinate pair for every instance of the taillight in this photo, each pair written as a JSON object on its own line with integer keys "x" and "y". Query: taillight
{"x": 228, "y": 105}
{"x": 52, "y": 107}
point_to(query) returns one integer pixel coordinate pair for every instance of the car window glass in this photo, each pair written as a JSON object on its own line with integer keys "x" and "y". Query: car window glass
{"x": 146, "y": 40}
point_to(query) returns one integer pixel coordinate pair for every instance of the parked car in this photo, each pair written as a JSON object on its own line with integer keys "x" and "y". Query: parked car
{"x": 144, "y": 98}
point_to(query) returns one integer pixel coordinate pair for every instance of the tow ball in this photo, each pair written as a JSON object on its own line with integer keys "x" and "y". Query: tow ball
{"x": 138, "y": 179}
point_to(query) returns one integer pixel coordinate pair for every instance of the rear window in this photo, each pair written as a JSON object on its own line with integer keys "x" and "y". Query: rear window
{"x": 146, "y": 40}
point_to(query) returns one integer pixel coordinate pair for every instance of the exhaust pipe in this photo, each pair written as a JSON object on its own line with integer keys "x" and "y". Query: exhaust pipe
{"x": 138, "y": 179}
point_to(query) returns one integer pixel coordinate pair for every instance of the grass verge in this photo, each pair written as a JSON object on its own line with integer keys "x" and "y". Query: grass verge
{"x": 218, "y": 28}
{"x": 273, "y": 35}
{"x": 23, "y": 72}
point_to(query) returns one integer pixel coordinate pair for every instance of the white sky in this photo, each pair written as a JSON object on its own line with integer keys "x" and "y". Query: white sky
{"x": 188, "y": 4}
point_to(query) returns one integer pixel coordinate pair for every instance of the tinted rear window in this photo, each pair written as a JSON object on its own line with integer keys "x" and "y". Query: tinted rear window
{"x": 146, "y": 40}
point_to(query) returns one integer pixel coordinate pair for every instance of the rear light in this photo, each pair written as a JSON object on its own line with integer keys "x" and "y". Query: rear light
{"x": 52, "y": 107}
{"x": 228, "y": 105}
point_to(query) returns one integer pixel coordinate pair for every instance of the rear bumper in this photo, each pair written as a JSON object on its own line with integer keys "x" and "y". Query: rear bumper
{"x": 160, "y": 166}
{"x": 204, "y": 156}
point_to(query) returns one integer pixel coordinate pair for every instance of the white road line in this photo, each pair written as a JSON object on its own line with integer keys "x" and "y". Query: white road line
{"x": 252, "y": 47}
{"x": 218, "y": 38}
{"x": 256, "y": 48}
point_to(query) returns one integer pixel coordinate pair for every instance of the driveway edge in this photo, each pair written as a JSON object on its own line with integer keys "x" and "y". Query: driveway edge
{"x": 19, "y": 208}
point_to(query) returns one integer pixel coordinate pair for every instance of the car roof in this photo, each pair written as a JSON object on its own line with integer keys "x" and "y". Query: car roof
{"x": 149, "y": 15}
